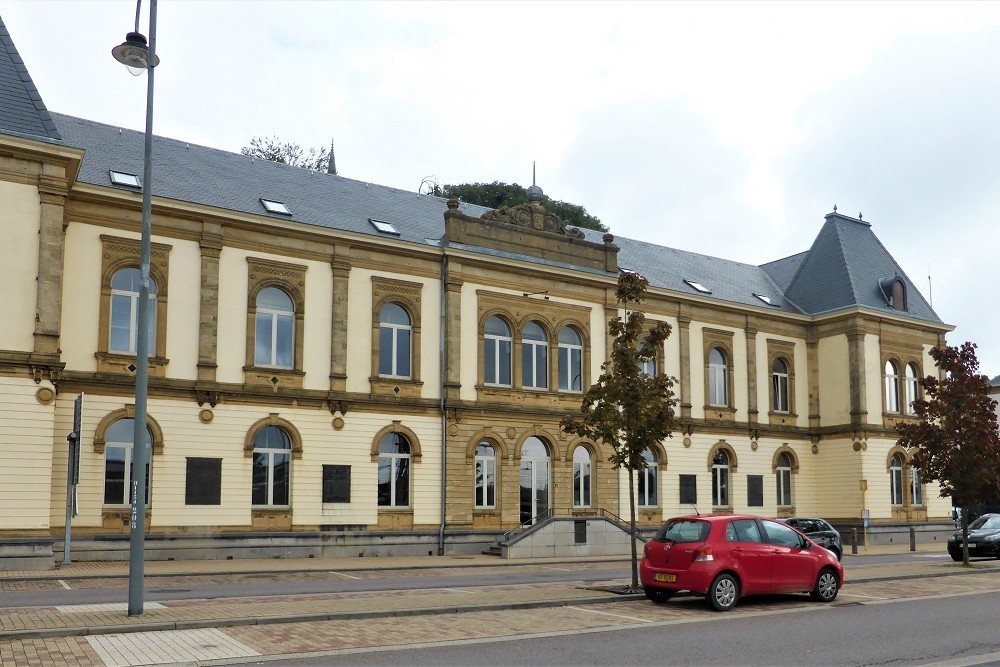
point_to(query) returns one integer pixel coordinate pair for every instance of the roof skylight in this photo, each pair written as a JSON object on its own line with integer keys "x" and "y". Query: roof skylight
{"x": 123, "y": 178}
{"x": 384, "y": 227}
{"x": 272, "y": 206}
{"x": 698, "y": 286}
{"x": 766, "y": 299}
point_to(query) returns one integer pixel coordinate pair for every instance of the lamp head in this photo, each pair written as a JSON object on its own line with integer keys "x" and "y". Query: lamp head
{"x": 134, "y": 54}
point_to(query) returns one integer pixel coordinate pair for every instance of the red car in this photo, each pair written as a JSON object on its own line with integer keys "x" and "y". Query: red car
{"x": 725, "y": 557}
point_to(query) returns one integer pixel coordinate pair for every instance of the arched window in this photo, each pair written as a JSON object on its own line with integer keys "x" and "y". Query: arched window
{"x": 534, "y": 477}
{"x": 570, "y": 360}
{"x": 118, "y": 471}
{"x": 718, "y": 390}
{"x": 274, "y": 330}
{"x": 720, "y": 479}
{"x": 647, "y": 366}
{"x": 896, "y": 479}
{"x": 647, "y": 479}
{"x": 891, "y": 386}
{"x": 916, "y": 490}
{"x": 783, "y": 478}
{"x": 394, "y": 341}
{"x": 125, "y": 312}
{"x": 779, "y": 385}
{"x": 272, "y": 460}
{"x": 393, "y": 471}
{"x": 486, "y": 475}
{"x": 898, "y": 295}
{"x": 534, "y": 357}
{"x": 910, "y": 383}
{"x": 581, "y": 477}
{"x": 496, "y": 352}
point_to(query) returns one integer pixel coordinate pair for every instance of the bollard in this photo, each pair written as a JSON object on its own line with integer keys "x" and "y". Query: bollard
{"x": 913, "y": 539}
{"x": 854, "y": 541}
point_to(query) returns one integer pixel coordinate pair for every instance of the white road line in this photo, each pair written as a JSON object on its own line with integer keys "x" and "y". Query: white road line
{"x": 344, "y": 574}
{"x": 605, "y": 613}
{"x": 64, "y": 585}
{"x": 553, "y": 567}
{"x": 983, "y": 659}
{"x": 457, "y": 590}
{"x": 932, "y": 556}
{"x": 859, "y": 595}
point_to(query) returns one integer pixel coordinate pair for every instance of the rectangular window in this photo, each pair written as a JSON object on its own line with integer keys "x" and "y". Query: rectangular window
{"x": 784, "y": 479}
{"x": 689, "y": 489}
{"x": 581, "y": 484}
{"x": 336, "y": 484}
{"x": 485, "y": 482}
{"x": 203, "y": 481}
{"x": 755, "y": 490}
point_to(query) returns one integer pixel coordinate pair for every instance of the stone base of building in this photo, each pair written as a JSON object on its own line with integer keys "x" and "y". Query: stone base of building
{"x": 27, "y": 553}
{"x": 883, "y": 534}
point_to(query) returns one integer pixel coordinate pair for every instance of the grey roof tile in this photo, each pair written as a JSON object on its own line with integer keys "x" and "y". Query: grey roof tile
{"x": 22, "y": 111}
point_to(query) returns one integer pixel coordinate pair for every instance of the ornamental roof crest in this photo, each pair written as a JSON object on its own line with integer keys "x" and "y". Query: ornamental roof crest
{"x": 534, "y": 216}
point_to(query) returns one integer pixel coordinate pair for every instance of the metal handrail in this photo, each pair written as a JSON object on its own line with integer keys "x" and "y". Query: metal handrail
{"x": 568, "y": 511}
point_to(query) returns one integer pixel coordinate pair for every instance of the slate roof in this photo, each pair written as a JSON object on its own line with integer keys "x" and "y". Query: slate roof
{"x": 22, "y": 111}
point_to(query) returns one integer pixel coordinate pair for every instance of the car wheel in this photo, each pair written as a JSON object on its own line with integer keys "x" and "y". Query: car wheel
{"x": 826, "y": 586}
{"x": 723, "y": 593}
{"x": 658, "y": 595}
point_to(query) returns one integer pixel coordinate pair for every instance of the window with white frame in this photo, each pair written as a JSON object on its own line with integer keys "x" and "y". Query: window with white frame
{"x": 125, "y": 312}
{"x": 570, "y": 360}
{"x": 910, "y": 383}
{"x": 647, "y": 479}
{"x": 896, "y": 480}
{"x": 891, "y": 386}
{"x": 720, "y": 478}
{"x": 916, "y": 490}
{"x": 486, "y": 476}
{"x": 718, "y": 390}
{"x": 274, "y": 330}
{"x": 393, "y": 471}
{"x": 394, "y": 347}
{"x": 496, "y": 352}
{"x": 581, "y": 477}
{"x": 779, "y": 385}
{"x": 783, "y": 479}
{"x": 647, "y": 366}
{"x": 534, "y": 357}
{"x": 272, "y": 475}
{"x": 118, "y": 469}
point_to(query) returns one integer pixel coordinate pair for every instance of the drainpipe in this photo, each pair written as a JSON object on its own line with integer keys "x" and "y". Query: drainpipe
{"x": 442, "y": 353}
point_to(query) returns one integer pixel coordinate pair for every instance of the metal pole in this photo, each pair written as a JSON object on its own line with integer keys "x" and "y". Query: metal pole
{"x": 67, "y": 535}
{"x": 139, "y": 457}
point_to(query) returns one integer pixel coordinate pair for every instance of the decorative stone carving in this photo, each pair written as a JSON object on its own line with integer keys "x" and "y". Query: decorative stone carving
{"x": 534, "y": 216}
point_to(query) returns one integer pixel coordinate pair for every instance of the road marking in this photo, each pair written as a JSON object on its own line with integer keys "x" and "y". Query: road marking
{"x": 109, "y": 606}
{"x": 64, "y": 585}
{"x": 457, "y": 590}
{"x": 968, "y": 660}
{"x": 605, "y": 613}
{"x": 344, "y": 574}
{"x": 933, "y": 556}
{"x": 150, "y": 648}
{"x": 553, "y": 567}
{"x": 859, "y": 595}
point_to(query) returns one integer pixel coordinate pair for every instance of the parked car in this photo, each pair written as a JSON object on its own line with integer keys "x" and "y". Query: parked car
{"x": 984, "y": 538}
{"x": 820, "y": 532}
{"x": 725, "y": 557}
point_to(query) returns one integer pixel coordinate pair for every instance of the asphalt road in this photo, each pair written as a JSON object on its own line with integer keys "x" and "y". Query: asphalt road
{"x": 954, "y": 630}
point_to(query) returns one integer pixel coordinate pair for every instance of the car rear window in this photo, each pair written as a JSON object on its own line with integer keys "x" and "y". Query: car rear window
{"x": 684, "y": 530}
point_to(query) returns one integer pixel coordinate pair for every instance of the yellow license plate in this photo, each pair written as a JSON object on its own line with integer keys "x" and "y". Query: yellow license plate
{"x": 669, "y": 578}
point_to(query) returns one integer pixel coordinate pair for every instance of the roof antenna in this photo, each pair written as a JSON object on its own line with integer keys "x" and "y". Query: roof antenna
{"x": 533, "y": 173}
{"x": 930, "y": 288}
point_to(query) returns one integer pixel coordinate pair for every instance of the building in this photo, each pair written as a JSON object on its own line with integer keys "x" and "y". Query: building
{"x": 339, "y": 367}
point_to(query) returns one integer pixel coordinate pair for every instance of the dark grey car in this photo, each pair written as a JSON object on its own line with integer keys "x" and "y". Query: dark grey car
{"x": 984, "y": 538}
{"x": 820, "y": 532}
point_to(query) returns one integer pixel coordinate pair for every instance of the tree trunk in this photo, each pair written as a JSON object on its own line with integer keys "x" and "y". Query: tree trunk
{"x": 635, "y": 556}
{"x": 965, "y": 535}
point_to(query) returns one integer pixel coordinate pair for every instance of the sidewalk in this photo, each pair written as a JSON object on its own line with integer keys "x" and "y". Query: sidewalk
{"x": 78, "y": 620}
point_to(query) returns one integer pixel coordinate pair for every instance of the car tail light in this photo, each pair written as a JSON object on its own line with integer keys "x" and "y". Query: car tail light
{"x": 703, "y": 554}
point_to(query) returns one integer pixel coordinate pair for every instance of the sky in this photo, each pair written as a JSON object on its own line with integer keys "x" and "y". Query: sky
{"x": 728, "y": 129}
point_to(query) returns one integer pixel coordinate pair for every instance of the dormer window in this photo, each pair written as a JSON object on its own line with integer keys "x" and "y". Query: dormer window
{"x": 894, "y": 291}
{"x": 124, "y": 178}
{"x": 272, "y": 206}
{"x": 698, "y": 286}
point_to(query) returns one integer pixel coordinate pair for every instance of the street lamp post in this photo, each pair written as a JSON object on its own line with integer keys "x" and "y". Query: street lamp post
{"x": 135, "y": 55}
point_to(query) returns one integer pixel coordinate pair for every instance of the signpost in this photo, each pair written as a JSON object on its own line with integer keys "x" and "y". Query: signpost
{"x": 72, "y": 475}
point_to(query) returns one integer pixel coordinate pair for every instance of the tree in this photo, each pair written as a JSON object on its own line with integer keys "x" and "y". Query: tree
{"x": 628, "y": 409}
{"x": 956, "y": 438}
{"x": 288, "y": 152}
{"x": 497, "y": 194}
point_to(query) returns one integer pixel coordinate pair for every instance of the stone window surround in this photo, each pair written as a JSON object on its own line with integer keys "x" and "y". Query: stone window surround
{"x": 407, "y": 295}
{"x": 902, "y": 357}
{"x": 500, "y": 455}
{"x": 415, "y": 457}
{"x": 784, "y": 350}
{"x": 907, "y": 457}
{"x": 595, "y": 456}
{"x": 653, "y": 513}
{"x": 517, "y": 312}
{"x": 291, "y": 279}
{"x": 733, "y": 466}
{"x": 119, "y": 516}
{"x": 723, "y": 340}
{"x": 120, "y": 253}
{"x": 786, "y": 510}
{"x": 273, "y": 419}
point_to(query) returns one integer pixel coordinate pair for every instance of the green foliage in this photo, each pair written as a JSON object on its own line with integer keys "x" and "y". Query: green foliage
{"x": 287, "y": 152}
{"x": 956, "y": 438}
{"x": 627, "y": 409}
{"x": 497, "y": 194}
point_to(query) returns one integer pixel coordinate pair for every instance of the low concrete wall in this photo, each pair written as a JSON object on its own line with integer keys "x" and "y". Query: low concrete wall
{"x": 26, "y": 553}
{"x": 896, "y": 534}
{"x": 558, "y": 537}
